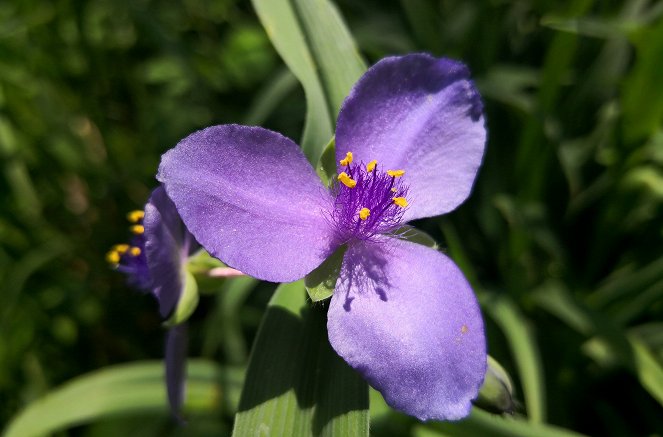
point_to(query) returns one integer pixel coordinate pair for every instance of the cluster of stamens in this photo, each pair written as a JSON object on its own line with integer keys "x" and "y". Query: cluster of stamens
{"x": 369, "y": 201}
{"x": 130, "y": 258}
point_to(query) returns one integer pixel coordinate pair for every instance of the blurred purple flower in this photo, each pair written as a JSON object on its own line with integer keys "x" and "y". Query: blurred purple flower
{"x": 409, "y": 141}
{"x": 154, "y": 262}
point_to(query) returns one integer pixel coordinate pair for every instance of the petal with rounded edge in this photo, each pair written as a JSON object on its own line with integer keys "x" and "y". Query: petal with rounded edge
{"x": 251, "y": 198}
{"x": 404, "y": 316}
{"x": 167, "y": 246}
{"x": 423, "y": 115}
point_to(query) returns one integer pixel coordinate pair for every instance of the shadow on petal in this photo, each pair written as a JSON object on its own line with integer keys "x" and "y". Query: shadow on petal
{"x": 423, "y": 347}
{"x": 363, "y": 269}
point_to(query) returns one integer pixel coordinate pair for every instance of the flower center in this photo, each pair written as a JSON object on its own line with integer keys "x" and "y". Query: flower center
{"x": 130, "y": 258}
{"x": 368, "y": 201}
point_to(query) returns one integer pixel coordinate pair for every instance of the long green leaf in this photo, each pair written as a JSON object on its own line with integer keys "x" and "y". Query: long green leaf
{"x": 647, "y": 368}
{"x": 525, "y": 352}
{"x": 224, "y": 328}
{"x": 610, "y": 345}
{"x": 627, "y": 284}
{"x": 333, "y": 49}
{"x": 296, "y": 385}
{"x": 126, "y": 389}
{"x": 638, "y": 358}
{"x": 270, "y": 97}
{"x": 315, "y": 44}
{"x": 481, "y": 423}
{"x": 279, "y": 19}
{"x": 642, "y": 85}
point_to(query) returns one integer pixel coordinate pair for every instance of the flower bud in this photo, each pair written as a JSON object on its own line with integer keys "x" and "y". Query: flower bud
{"x": 496, "y": 394}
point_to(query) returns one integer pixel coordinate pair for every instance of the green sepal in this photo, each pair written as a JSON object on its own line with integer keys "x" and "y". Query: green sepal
{"x": 202, "y": 262}
{"x": 187, "y": 303}
{"x": 326, "y": 167}
{"x": 200, "y": 266}
{"x": 320, "y": 283}
{"x": 414, "y": 235}
{"x": 496, "y": 394}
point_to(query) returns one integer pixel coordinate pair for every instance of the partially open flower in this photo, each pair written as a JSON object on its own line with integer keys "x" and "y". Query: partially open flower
{"x": 155, "y": 262}
{"x": 156, "y": 257}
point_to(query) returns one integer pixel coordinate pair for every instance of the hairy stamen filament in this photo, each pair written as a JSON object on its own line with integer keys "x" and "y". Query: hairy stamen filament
{"x": 365, "y": 205}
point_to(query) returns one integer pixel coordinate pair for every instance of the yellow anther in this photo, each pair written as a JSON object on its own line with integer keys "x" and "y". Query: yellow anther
{"x": 347, "y": 160}
{"x": 371, "y": 165}
{"x": 120, "y": 248}
{"x": 135, "y": 251}
{"x": 396, "y": 173}
{"x": 137, "y": 229}
{"x": 347, "y": 180}
{"x": 400, "y": 201}
{"x": 393, "y": 190}
{"x": 112, "y": 257}
{"x": 135, "y": 216}
{"x": 364, "y": 213}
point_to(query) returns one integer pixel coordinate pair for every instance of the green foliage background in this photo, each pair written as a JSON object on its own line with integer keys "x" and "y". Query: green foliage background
{"x": 561, "y": 238}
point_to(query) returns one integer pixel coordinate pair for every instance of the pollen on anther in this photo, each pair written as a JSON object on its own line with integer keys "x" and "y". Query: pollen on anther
{"x": 364, "y": 213}
{"x": 396, "y": 173}
{"x": 400, "y": 201}
{"x": 135, "y": 251}
{"x": 371, "y": 165}
{"x": 347, "y": 160}
{"x": 112, "y": 257}
{"x": 120, "y": 248}
{"x": 347, "y": 180}
{"x": 135, "y": 216}
{"x": 137, "y": 229}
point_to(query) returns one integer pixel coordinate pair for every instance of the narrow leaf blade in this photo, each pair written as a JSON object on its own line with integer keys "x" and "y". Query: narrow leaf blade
{"x": 481, "y": 423}
{"x": 525, "y": 352}
{"x": 126, "y": 389}
{"x": 332, "y": 47}
{"x": 296, "y": 384}
{"x": 280, "y": 21}
{"x": 315, "y": 44}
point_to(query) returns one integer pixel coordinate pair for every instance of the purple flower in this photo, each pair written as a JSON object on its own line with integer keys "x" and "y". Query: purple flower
{"x": 409, "y": 141}
{"x": 155, "y": 262}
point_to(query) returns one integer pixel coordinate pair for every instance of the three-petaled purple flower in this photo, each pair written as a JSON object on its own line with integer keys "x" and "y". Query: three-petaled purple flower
{"x": 409, "y": 141}
{"x": 155, "y": 262}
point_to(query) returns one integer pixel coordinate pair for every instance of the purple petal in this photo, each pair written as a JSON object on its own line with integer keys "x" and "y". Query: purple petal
{"x": 404, "y": 316}
{"x": 251, "y": 199}
{"x": 422, "y": 115}
{"x": 177, "y": 340}
{"x": 167, "y": 247}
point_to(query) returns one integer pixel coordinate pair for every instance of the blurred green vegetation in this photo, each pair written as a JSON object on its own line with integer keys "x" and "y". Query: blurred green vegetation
{"x": 561, "y": 238}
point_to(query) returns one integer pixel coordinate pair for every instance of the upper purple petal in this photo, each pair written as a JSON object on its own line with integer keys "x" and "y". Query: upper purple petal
{"x": 167, "y": 245}
{"x": 422, "y": 115}
{"x": 251, "y": 198}
{"x": 404, "y": 316}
